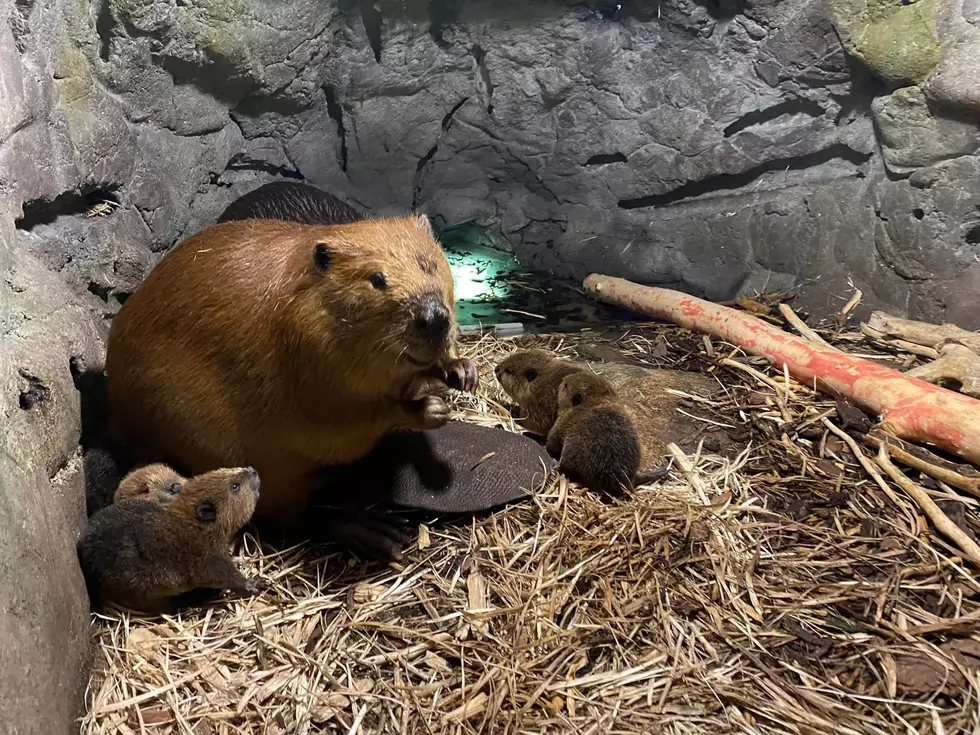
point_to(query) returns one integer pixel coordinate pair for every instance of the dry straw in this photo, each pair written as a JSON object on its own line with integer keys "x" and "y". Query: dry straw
{"x": 776, "y": 589}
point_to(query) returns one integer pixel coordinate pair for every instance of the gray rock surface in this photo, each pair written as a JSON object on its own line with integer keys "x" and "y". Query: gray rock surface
{"x": 675, "y": 142}
{"x": 914, "y": 136}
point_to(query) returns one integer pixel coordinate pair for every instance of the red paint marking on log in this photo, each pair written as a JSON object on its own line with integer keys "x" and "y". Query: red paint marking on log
{"x": 936, "y": 415}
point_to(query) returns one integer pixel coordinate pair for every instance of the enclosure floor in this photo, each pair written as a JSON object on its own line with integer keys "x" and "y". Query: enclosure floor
{"x": 774, "y": 590}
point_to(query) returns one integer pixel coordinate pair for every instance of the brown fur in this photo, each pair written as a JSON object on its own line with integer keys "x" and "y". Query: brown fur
{"x": 537, "y": 396}
{"x": 268, "y": 343}
{"x": 589, "y": 389}
{"x": 157, "y": 483}
{"x": 594, "y": 438}
{"x": 145, "y": 555}
{"x": 654, "y": 409}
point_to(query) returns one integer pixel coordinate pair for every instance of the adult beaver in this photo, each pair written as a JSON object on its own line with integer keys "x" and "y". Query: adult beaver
{"x": 286, "y": 347}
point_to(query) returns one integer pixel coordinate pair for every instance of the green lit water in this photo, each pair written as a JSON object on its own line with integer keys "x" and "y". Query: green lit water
{"x": 493, "y": 288}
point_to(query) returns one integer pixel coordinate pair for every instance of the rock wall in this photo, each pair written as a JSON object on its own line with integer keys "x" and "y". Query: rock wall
{"x": 720, "y": 146}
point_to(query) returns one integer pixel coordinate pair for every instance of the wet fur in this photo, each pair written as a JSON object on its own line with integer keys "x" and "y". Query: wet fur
{"x": 145, "y": 555}
{"x": 291, "y": 201}
{"x": 238, "y": 350}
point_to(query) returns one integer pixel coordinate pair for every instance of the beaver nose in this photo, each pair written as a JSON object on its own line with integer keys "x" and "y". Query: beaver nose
{"x": 253, "y": 478}
{"x": 432, "y": 318}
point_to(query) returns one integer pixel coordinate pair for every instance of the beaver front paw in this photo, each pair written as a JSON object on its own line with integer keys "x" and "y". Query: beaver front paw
{"x": 433, "y": 412}
{"x": 462, "y": 375}
{"x": 423, "y": 386}
{"x": 255, "y": 585}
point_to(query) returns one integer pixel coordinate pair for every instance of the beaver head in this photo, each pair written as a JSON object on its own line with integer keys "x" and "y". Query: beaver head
{"x": 518, "y": 372}
{"x": 156, "y": 483}
{"x": 387, "y": 284}
{"x": 219, "y": 502}
{"x": 582, "y": 389}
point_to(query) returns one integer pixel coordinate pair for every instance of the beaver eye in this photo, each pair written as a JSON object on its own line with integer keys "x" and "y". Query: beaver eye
{"x": 577, "y": 399}
{"x": 321, "y": 256}
{"x": 530, "y": 375}
{"x": 235, "y": 487}
{"x": 174, "y": 488}
{"x": 378, "y": 281}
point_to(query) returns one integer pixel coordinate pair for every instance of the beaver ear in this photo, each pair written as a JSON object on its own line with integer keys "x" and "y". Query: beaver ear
{"x": 206, "y": 512}
{"x": 577, "y": 399}
{"x": 423, "y": 223}
{"x": 322, "y": 255}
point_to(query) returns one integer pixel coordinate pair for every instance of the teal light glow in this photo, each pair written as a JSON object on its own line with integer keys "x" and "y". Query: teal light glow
{"x": 469, "y": 275}
{"x": 481, "y": 274}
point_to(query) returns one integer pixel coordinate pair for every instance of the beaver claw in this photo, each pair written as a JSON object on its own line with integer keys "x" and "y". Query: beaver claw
{"x": 255, "y": 585}
{"x": 433, "y": 412}
{"x": 368, "y": 535}
{"x": 462, "y": 375}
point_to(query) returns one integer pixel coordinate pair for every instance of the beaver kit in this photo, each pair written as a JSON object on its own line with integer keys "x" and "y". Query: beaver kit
{"x": 599, "y": 438}
{"x": 146, "y": 553}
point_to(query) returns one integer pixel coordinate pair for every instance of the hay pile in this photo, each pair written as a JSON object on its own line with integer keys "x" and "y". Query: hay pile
{"x": 774, "y": 590}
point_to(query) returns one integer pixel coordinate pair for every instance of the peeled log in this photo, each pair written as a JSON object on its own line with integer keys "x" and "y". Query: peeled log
{"x": 910, "y": 409}
{"x": 922, "y": 333}
{"x": 955, "y": 362}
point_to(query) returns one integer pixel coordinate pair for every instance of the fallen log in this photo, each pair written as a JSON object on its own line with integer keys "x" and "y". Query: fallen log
{"x": 922, "y": 333}
{"x": 908, "y": 408}
{"x": 956, "y": 363}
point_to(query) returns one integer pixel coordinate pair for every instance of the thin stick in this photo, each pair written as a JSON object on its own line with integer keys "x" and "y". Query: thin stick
{"x": 687, "y": 469}
{"x": 900, "y": 344}
{"x": 948, "y": 475}
{"x": 939, "y": 519}
{"x": 869, "y": 467}
{"x": 800, "y": 326}
{"x": 849, "y": 306}
{"x": 757, "y": 374}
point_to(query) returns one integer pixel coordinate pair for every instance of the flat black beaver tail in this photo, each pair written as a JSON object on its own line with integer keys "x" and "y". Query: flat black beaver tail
{"x": 291, "y": 201}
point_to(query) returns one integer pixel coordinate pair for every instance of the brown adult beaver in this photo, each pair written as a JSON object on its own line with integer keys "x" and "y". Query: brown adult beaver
{"x": 291, "y": 201}
{"x": 287, "y": 347}
{"x": 157, "y": 483}
{"x": 145, "y": 555}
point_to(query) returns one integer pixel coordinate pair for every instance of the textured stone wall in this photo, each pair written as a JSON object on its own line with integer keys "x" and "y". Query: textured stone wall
{"x": 718, "y": 146}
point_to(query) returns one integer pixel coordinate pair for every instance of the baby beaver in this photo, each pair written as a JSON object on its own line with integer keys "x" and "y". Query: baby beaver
{"x": 144, "y": 555}
{"x": 595, "y": 437}
{"x": 531, "y": 379}
{"x": 157, "y": 483}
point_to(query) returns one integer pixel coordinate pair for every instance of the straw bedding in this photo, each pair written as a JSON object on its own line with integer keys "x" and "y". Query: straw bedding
{"x": 775, "y": 589}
